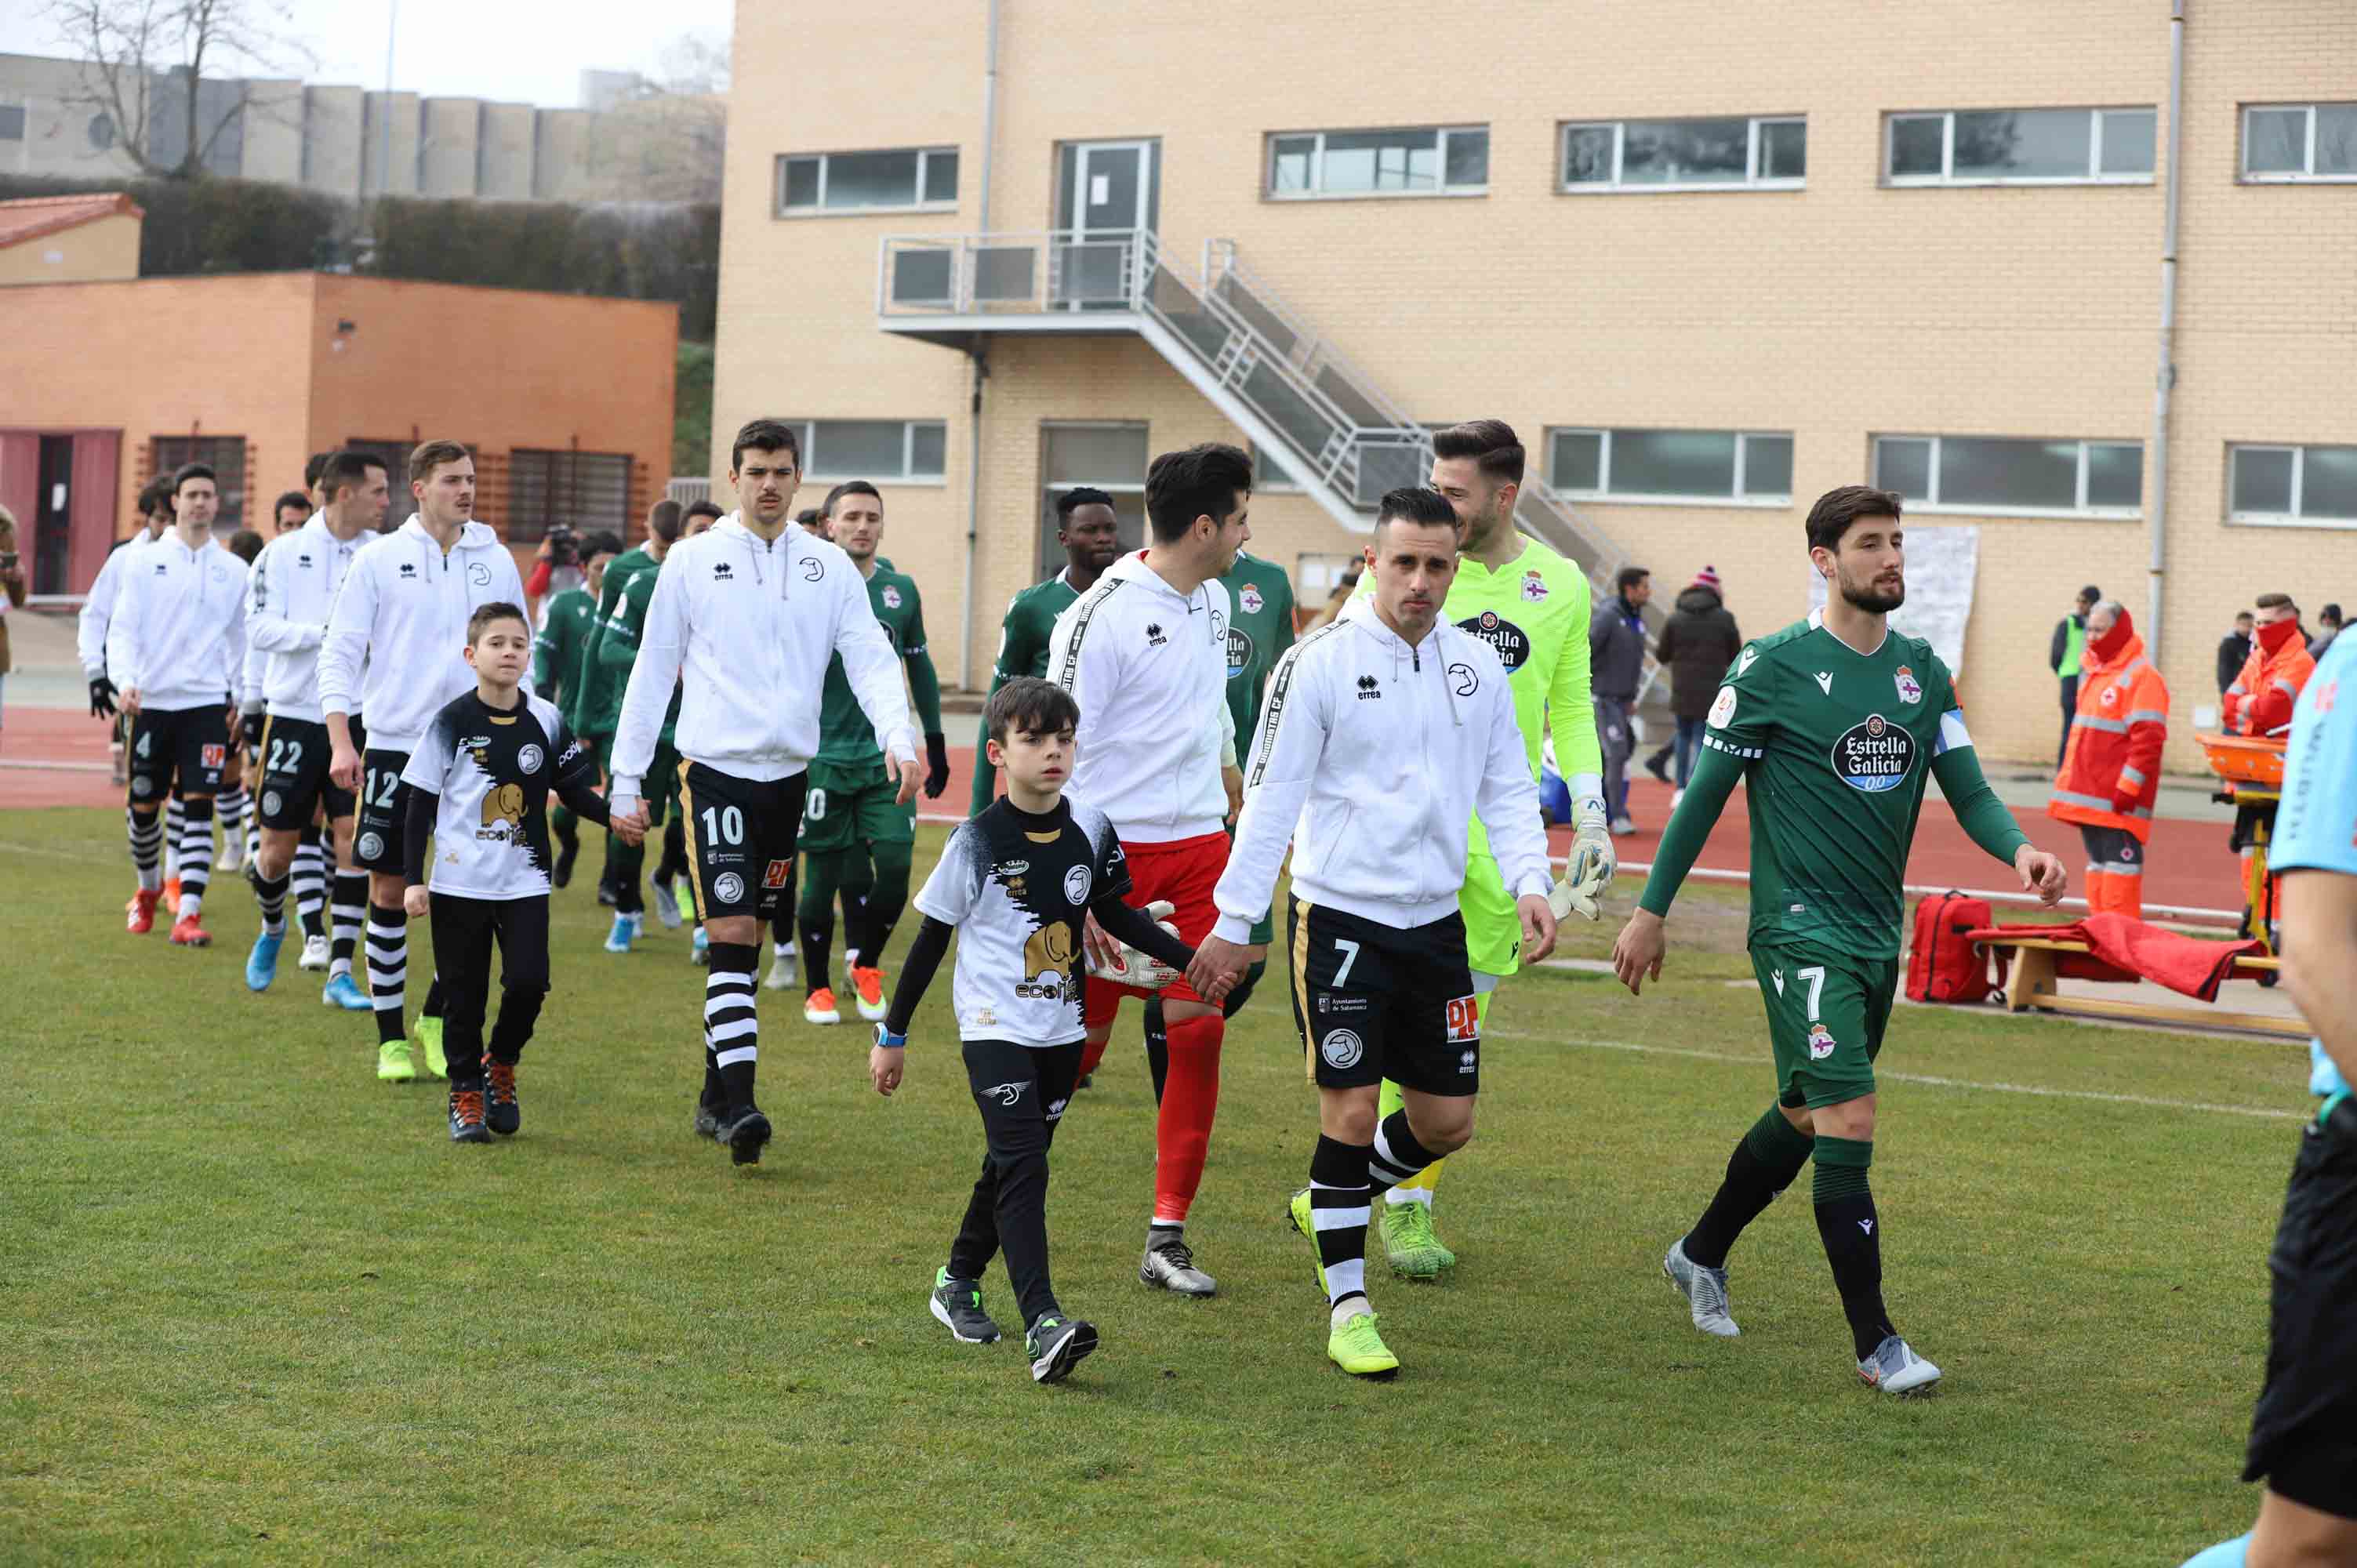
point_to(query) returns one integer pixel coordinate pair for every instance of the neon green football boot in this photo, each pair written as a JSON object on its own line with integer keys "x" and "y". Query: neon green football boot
{"x": 1298, "y": 1212}
{"x": 1358, "y": 1350}
{"x": 392, "y": 1063}
{"x": 429, "y": 1040}
{"x": 1415, "y": 1253}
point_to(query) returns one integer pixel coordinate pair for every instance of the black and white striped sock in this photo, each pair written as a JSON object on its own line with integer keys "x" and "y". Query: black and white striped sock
{"x": 388, "y": 970}
{"x": 310, "y": 881}
{"x": 232, "y": 811}
{"x": 1397, "y": 1155}
{"x": 729, "y": 1021}
{"x": 176, "y": 821}
{"x": 350, "y": 907}
{"x": 271, "y": 896}
{"x": 196, "y": 855}
{"x": 1339, "y": 1195}
{"x": 146, "y": 850}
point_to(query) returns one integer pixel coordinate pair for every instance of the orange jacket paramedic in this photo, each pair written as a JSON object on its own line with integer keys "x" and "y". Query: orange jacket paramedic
{"x": 2111, "y": 768}
{"x": 2260, "y": 700}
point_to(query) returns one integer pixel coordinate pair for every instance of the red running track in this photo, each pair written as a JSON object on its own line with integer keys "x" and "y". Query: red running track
{"x": 2187, "y": 862}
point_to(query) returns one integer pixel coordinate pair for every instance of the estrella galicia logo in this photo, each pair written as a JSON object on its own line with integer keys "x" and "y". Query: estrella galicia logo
{"x": 1513, "y": 643}
{"x": 1239, "y": 652}
{"x": 1369, "y": 689}
{"x": 1875, "y": 756}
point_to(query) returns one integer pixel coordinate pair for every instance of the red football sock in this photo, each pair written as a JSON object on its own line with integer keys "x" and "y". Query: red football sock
{"x": 1091, "y": 1053}
{"x": 1182, "y": 1130}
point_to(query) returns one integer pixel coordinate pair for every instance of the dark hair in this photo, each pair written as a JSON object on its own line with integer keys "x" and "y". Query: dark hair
{"x": 292, "y": 498}
{"x": 2330, "y": 613}
{"x": 601, "y": 545}
{"x": 246, "y": 545}
{"x": 2090, "y": 595}
{"x": 1840, "y": 506}
{"x": 1497, "y": 450}
{"x": 1200, "y": 481}
{"x": 2245, "y": 614}
{"x": 2275, "y": 601}
{"x": 851, "y": 488}
{"x": 498, "y": 609}
{"x": 431, "y": 454}
{"x": 187, "y": 471}
{"x": 350, "y": 467}
{"x": 765, "y": 435}
{"x": 701, "y": 509}
{"x": 1629, "y": 577}
{"x": 1076, "y": 498}
{"x": 1027, "y": 703}
{"x": 808, "y": 515}
{"x": 315, "y": 466}
{"x": 666, "y": 519}
{"x": 1418, "y": 504}
{"x": 157, "y": 497}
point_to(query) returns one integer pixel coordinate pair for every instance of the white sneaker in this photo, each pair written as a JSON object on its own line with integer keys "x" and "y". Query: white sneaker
{"x": 315, "y": 953}
{"x": 785, "y": 973}
{"x": 666, "y": 903}
{"x": 1704, "y": 1290}
{"x": 233, "y": 855}
{"x": 1895, "y": 1368}
{"x": 1622, "y": 827}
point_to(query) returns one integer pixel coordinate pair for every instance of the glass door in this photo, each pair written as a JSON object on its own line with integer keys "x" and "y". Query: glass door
{"x": 1108, "y": 200}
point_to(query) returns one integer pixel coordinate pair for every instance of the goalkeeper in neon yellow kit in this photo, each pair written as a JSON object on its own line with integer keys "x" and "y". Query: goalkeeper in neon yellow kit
{"x": 1531, "y": 604}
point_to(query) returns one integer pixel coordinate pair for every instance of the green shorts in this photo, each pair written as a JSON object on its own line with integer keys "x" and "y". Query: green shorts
{"x": 1493, "y": 927}
{"x": 1826, "y": 1013}
{"x": 658, "y": 788}
{"x": 851, "y": 804}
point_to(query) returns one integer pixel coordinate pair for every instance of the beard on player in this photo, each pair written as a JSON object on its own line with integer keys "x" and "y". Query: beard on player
{"x": 1884, "y": 594}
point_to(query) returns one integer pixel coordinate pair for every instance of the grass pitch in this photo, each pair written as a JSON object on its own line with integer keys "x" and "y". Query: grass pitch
{"x": 254, "y": 1307}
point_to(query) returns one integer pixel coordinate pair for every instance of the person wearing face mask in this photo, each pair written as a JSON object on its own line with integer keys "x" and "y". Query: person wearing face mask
{"x": 2111, "y": 764}
{"x": 2260, "y": 700}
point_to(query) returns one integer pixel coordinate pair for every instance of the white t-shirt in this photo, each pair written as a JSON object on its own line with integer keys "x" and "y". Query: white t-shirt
{"x": 1017, "y": 887}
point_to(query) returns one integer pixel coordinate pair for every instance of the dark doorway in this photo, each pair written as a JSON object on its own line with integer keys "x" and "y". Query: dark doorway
{"x": 52, "y": 511}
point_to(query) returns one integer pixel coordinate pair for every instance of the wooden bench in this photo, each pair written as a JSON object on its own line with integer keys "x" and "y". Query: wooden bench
{"x": 2033, "y": 985}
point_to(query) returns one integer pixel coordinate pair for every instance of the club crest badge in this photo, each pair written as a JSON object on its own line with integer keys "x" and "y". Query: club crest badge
{"x": 891, "y": 597}
{"x": 1534, "y": 588}
{"x": 1821, "y": 1042}
{"x": 1248, "y": 599}
{"x": 1910, "y": 689}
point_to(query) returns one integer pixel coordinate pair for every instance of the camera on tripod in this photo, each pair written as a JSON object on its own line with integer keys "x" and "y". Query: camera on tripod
{"x": 564, "y": 545}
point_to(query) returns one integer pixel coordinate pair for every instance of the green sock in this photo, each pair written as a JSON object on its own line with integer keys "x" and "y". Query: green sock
{"x": 1778, "y": 1145}
{"x": 1842, "y": 1165}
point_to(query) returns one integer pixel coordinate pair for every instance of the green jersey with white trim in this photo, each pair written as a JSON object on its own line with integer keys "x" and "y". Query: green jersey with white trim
{"x": 1837, "y": 747}
{"x": 1260, "y": 628}
{"x": 844, "y": 734}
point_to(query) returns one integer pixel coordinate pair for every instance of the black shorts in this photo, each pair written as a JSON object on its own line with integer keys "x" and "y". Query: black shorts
{"x": 379, "y": 838}
{"x": 185, "y": 748}
{"x": 294, "y": 772}
{"x": 741, "y": 833}
{"x": 1373, "y": 1002}
{"x": 2304, "y": 1431}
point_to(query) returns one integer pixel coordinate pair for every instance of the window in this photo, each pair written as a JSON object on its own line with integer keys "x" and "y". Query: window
{"x": 1317, "y": 575}
{"x": 2299, "y": 141}
{"x": 2006, "y": 477}
{"x": 12, "y": 122}
{"x": 901, "y": 449}
{"x": 586, "y": 491}
{"x": 1108, "y": 458}
{"x": 899, "y": 180}
{"x": 1427, "y": 160}
{"x": 2024, "y": 147}
{"x": 102, "y": 132}
{"x": 1269, "y": 474}
{"x": 1685, "y": 154}
{"x": 2294, "y": 484}
{"x": 1737, "y": 467}
{"x": 225, "y": 456}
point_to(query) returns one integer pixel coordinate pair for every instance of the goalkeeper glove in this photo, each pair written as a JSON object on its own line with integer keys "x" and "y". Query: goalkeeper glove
{"x": 1142, "y": 970}
{"x": 937, "y": 766}
{"x": 102, "y": 698}
{"x": 250, "y": 729}
{"x": 1592, "y": 864}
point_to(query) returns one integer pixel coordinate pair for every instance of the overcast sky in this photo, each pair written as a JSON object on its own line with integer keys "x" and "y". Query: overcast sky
{"x": 527, "y": 51}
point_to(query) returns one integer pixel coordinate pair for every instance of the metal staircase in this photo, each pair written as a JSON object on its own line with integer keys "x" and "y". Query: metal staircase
{"x": 1257, "y": 359}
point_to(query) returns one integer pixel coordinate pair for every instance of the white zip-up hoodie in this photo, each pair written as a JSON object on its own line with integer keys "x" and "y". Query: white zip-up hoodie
{"x": 1372, "y": 758}
{"x": 178, "y": 636}
{"x": 1148, "y": 667}
{"x": 98, "y": 611}
{"x": 289, "y": 595}
{"x": 401, "y": 616}
{"x": 745, "y": 627}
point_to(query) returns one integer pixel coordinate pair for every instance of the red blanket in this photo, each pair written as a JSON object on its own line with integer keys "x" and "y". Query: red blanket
{"x": 2127, "y": 950}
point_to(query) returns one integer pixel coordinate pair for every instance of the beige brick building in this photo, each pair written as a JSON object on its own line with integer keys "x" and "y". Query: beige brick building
{"x": 1709, "y": 259}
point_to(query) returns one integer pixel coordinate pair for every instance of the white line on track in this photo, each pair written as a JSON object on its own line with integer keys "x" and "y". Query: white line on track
{"x": 1760, "y": 1059}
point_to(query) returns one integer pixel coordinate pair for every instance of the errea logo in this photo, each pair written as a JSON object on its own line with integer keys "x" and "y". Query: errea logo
{"x": 721, "y": 573}
{"x": 1154, "y": 637}
{"x": 1369, "y": 689}
{"x": 408, "y": 571}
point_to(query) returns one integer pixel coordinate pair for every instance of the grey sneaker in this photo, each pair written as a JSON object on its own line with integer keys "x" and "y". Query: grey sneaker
{"x": 1056, "y": 1345}
{"x": 1895, "y": 1368}
{"x": 666, "y": 903}
{"x": 958, "y": 1304}
{"x": 785, "y": 973}
{"x": 1171, "y": 1266}
{"x": 1704, "y": 1290}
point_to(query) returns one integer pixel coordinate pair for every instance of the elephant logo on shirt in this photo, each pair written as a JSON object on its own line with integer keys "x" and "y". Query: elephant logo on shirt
{"x": 504, "y": 804}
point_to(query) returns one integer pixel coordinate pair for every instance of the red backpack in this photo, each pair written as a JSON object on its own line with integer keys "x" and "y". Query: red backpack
{"x": 1941, "y": 966}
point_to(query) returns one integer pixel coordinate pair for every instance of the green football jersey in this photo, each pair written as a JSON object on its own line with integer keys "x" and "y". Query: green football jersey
{"x": 597, "y": 708}
{"x": 1836, "y": 748}
{"x": 617, "y": 645}
{"x": 564, "y": 637}
{"x": 1534, "y": 612}
{"x": 1260, "y": 628}
{"x": 1023, "y": 636}
{"x": 844, "y": 733}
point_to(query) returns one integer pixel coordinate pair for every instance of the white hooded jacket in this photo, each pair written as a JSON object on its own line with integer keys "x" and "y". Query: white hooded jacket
{"x": 745, "y": 627}
{"x": 178, "y": 636}
{"x": 1148, "y": 667}
{"x": 1371, "y": 758}
{"x": 289, "y": 595}
{"x": 401, "y": 617}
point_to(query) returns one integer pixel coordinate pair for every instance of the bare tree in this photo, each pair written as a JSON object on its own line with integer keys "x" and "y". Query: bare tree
{"x": 144, "y": 64}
